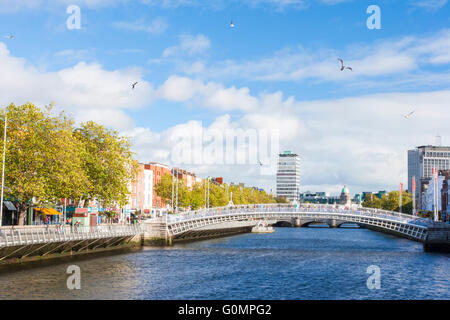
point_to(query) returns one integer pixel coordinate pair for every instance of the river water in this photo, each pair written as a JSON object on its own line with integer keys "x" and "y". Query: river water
{"x": 292, "y": 263}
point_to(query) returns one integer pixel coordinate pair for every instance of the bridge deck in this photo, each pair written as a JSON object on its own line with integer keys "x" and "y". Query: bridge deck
{"x": 405, "y": 225}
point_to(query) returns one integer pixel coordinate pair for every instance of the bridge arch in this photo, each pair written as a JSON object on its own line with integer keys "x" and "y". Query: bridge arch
{"x": 379, "y": 220}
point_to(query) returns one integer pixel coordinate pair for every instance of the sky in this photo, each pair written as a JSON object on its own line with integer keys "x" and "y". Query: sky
{"x": 274, "y": 74}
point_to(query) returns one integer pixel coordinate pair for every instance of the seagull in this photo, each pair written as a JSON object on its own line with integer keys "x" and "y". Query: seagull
{"x": 10, "y": 37}
{"x": 344, "y": 67}
{"x": 231, "y": 24}
{"x": 260, "y": 163}
{"x": 409, "y": 115}
{"x": 134, "y": 84}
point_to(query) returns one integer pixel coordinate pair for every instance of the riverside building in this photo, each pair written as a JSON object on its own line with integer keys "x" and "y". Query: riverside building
{"x": 421, "y": 162}
{"x": 288, "y": 176}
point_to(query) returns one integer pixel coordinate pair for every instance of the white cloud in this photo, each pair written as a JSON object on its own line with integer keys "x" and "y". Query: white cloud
{"x": 189, "y": 45}
{"x": 430, "y": 4}
{"x": 84, "y": 89}
{"x": 358, "y": 141}
{"x": 211, "y": 95}
{"x": 388, "y": 58}
{"x": 10, "y": 6}
{"x": 157, "y": 26}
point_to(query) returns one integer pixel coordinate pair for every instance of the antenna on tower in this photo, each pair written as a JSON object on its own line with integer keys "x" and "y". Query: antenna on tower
{"x": 438, "y": 140}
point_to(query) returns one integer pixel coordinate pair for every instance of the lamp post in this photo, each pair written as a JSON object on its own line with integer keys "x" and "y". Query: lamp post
{"x": 176, "y": 199}
{"x": 3, "y": 170}
{"x": 173, "y": 174}
{"x": 206, "y": 181}
{"x": 413, "y": 185}
{"x": 209, "y": 178}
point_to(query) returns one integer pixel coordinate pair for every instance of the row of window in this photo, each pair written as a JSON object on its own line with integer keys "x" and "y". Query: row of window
{"x": 438, "y": 154}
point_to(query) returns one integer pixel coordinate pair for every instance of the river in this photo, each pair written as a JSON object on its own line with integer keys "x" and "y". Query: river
{"x": 292, "y": 263}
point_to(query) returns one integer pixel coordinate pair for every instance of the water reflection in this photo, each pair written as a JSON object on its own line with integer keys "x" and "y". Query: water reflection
{"x": 292, "y": 263}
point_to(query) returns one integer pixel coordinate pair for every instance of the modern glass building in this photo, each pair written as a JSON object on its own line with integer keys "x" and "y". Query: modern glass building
{"x": 288, "y": 176}
{"x": 422, "y": 160}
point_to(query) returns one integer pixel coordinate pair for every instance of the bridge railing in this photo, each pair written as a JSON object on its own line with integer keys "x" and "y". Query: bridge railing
{"x": 368, "y": 212}
{"x": 12, "y": 236}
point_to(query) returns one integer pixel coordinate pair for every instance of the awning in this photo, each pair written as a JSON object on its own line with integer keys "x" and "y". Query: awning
{"x": 49, "y": 211}
{"x": 9, "y": 205}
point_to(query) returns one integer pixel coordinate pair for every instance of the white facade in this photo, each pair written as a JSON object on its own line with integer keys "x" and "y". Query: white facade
{"x": 288, "y": 176}
{"x": 427, "y": 199}
{"x": 421, "y": 162}
{"x": 148, "y": 189}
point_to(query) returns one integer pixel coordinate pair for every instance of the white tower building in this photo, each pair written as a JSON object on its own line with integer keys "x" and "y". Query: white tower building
{"x": 288, "y": 176}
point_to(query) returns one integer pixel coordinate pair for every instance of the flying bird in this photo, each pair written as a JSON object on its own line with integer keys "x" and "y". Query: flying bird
{"x": 10, "y": 37}
{"x": 134, "y": 84}
{"x": 231, "y": 24}
{"x": 407, "y": 116}
{"x": 344, "y": 67}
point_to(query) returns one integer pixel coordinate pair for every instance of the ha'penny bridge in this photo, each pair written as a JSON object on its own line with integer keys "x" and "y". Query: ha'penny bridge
{"x": 26, "y": 243}
{"x": 233, "y": 219}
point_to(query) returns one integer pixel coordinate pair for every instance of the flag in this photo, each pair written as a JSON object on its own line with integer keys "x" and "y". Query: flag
{"x": 413, "y": 184}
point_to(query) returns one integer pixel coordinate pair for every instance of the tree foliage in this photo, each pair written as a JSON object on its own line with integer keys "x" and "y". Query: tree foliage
{"x": 48, "y": 159}
{"x": 390, "y": 201}
{"x": 219, "y": 195}
{"x": 108, "y": 163}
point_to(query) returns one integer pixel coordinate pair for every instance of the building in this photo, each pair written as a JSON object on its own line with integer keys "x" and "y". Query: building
{"x": 428, "y": 193}
{"x": 345, "y": 198}
{"x": 445, "y": 199}
{"x": 288, "y": 176}
{"x": 185, "y": 177}
{"x": 421, "y": 161}
{"x": 217, "y": 180}
{"x": 370, "y": 195}
{"x": 318, "y": 197}
{"x": 159, "y": 170}
{"x": 141, "y": 197}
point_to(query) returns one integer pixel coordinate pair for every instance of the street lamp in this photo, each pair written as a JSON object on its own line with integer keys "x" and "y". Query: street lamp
{"x": 173, "y": 175}
{"x": 176, "y": 198}
{"x": 3, "y": 170}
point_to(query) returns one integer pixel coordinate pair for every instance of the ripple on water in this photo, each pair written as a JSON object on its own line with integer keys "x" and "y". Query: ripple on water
{"x": 292, "y": 263}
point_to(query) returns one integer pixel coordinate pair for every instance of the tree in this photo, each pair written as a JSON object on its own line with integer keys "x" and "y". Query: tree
{"x": 390, "y": 202}
{"x": 197, "y": 196}
{"x": 42, "y": 157}
{"x": 108, "y": 161}
{"x": 164, "y": 190}
{"x": 218, "y": 194}
{"x": 281, "y": 200}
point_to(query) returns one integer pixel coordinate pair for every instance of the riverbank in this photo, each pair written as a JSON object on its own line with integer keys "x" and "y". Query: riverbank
{"x": 292, "y": 263}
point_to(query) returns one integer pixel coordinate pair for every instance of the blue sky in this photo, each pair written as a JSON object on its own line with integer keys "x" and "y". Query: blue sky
{"x": 277, "y": 68}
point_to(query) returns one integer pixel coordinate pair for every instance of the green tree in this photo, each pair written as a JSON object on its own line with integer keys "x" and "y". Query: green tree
{"x": 42, "y": 157}
{"x": 164, "y": 190}
{"x": 108, "y": 161}
{"x": 281, "y": 200}
{"x": 390, "y": 201}
{"x": 197, "y": 196}
{"x": 218, "y": 194}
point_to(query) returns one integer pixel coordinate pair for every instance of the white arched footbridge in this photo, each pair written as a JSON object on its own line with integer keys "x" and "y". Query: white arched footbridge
{"x": 180, "y": 225}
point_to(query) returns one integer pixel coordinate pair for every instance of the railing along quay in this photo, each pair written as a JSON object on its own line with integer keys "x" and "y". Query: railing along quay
{"x": 16, "y": 236}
